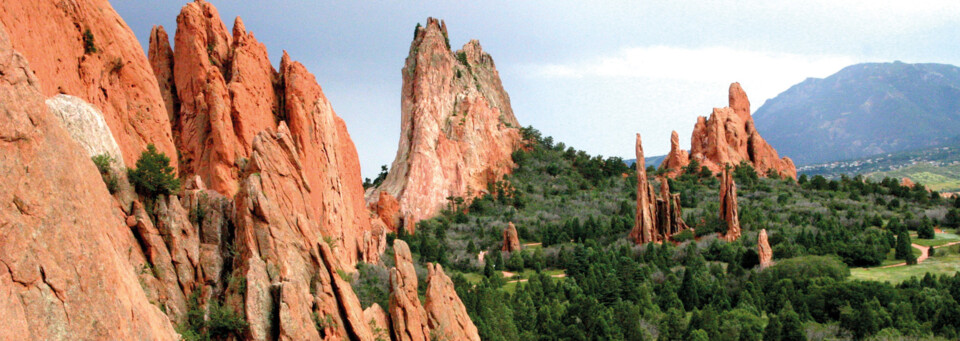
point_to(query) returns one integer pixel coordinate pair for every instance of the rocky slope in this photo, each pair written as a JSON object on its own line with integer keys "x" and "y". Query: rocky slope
{"x": 83, "y": 48}
{"x": 457, "y": 128}
{"x": 63, "y": 272}
{"x": 282, "y": 220}
{"x": 729, "y": 137}
{"x": 860, "y": 111}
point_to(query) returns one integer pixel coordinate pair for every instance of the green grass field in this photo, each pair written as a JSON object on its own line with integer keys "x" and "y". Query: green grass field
{"x": 939, "y": 239}
{"x": 938, "y": 178}
{"x": 946, "y": 261}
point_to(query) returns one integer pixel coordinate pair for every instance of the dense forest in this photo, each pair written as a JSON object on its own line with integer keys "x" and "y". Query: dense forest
{"x": 579, "y": 278}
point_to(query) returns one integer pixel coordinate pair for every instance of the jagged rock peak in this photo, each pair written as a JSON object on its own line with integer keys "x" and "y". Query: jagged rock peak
{"x": 728, "y": 205}
{"x": 657, "y": 219}
{"x": 763, "y": 249}
{"x": 458, "y": 129}
{"x": 84, "y": 49}
{"x": 729, "y": 137}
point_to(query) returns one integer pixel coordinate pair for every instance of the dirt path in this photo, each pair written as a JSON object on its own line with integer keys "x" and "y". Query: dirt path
{"x": 924, "y": 254}
{"x": 532, "y": 244}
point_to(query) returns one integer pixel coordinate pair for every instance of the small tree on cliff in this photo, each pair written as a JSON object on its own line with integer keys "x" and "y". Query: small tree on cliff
{"x": 153, "y": 175}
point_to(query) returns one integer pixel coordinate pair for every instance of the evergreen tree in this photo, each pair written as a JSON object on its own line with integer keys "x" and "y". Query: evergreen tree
{"x": 904, "y": 250}
{"x": 153, "y": 176}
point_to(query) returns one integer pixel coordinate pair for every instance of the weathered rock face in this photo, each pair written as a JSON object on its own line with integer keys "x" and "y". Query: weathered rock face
{"x": 728, "y": 205}
{"x": 388, "y": 209}
{"x": 905, "y": 181}
{"x": 643, "y": 228}
{"x": 161, "y": 61}
{"x": 225, "y": 88}
{"x": 62, "y": 274}
{"x": 286, "y": 261}
{"x": 457, "y": 128}
{"x": 729, "y": 137}
{"x": 764, "y": 250}
{"x": 669, "y": 214}
{"x": 677, "y": 158}
{"x": 446, "y": 314}
{"x": 225, "y": 92}
{"x": 84, "y": 49}
{"x": 379, "y": 322}
{"x": 511, "y": 240}
{"x": 657, "y": 218}
{"x": 86, "y": 126}
{"x": 408, "y": 315}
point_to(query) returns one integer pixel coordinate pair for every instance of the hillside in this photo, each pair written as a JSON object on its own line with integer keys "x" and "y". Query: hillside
{"x": 578, "y": 277}
{"x": 862, "y": 110}
{"x": 937, "y": 168}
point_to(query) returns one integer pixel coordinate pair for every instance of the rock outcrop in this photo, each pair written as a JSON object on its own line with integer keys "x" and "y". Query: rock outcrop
{"x": 83, "y": 48}
{"x": 225, "y": 89}
{"x": 657, "y": 219}
{"x": 225, "y": 92}
{"x": 443, "y": 317}
{"x": 511, "y": 240}
{"x": 906, "y": 182}
{"x": 62, "y": 272}
{"x": 729, "y": 137}
{"x": 407, "y": 314}
{"x": 643, "y": 228}
{"x": 86, "y": 126}
{"x": 728, "y": 205}
{"x": 677, "y": 158}
{"x": 457, "y": 128}
{"x": 446, "y": 315}
{"x": 388, "y": 209}
{"x": 764, "y": 250}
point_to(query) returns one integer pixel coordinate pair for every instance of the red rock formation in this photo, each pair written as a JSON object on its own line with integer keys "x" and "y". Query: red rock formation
{"x": 446, "y": 314}
{"x": 677, "y": 158}
{"x": 764, "y": 250}
{"x": 407, "y": 314}
{"x": 284, "y": 255}
{"x": 905, "y": 181}
{"x": 644, "y": 228}
{"x": 728, "y": 205}
{"x": 657, "y": 218}
{"x": 457, "y": 128}
{"x": 225, "y": 86}
{"x": 161, "y": 61}
{"x": 62, "y": 273}
{"x": 116, "y": 77}
{"x": 729, "y": 137}
{"x": 511, "y": 240}
{"x": 669, "y": 214}
{"x": 379, "y": 322}
{"x": 388, "y": 208}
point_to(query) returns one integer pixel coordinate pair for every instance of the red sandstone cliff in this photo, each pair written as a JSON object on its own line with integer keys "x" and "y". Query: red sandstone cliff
{"x": 729, "y": 137}
{"x": 764, "y": 250}
{"x": 457, "y": 128}
{"x": 62, "y": 273}
{"x": 84, "y": 49}
{"x": 729, "y": 211}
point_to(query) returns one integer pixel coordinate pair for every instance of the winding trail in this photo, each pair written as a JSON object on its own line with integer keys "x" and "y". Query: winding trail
{"x": 924, "y": 254}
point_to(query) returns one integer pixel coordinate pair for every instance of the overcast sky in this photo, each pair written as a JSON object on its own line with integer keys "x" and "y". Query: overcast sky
{"x": 589, "y": 74}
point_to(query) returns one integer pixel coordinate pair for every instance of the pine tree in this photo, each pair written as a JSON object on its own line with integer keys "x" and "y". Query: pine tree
{"x": 904, "y": 250}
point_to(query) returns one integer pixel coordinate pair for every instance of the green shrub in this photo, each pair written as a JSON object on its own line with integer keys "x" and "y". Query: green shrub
{"x": 153, "y": 175}
{"x": 88, "y": 46}
{"x": 103, "y": 162}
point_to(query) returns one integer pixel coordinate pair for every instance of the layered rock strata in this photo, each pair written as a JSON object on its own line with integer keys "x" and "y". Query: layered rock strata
{"x": 729, "y": 137}
{"x": 458, "y": 130}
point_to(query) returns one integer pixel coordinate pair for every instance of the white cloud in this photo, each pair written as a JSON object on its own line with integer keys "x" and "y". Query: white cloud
{"x": 763, "y": 74}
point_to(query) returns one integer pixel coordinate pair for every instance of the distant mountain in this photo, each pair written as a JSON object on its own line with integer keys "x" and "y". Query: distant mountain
{"x": 864, "y": 109}
{"x": 649, "y": 161}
